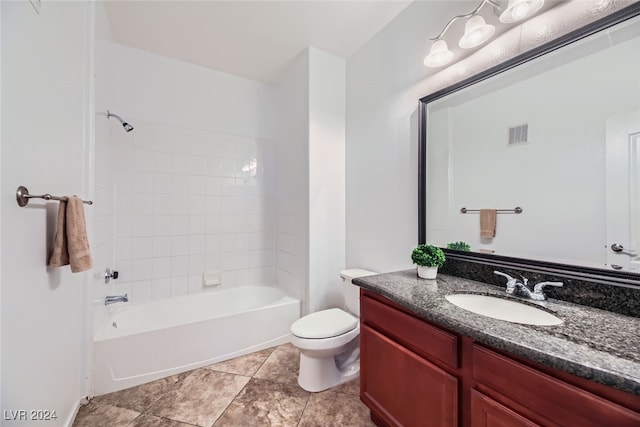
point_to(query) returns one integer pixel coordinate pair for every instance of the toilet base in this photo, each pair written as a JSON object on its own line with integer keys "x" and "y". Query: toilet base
{"x": 318, "y": 374}
{"x": 323, "y": 369}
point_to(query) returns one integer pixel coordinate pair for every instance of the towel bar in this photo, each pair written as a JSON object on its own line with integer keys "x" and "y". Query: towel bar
{"x": 23, "y": 196}
{"x": 517, "y": 210}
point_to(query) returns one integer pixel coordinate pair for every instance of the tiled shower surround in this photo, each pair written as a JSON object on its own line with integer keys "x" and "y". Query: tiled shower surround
{"x": 188, "y": 202}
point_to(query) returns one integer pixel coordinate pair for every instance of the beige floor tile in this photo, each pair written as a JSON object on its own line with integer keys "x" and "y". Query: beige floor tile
{"x": 151, "y": 421}
{"x": 335, "y": 409}
{"x": 281, "y": 366}
{"x": 243, "y": 365}
{"x": 351, "y": 387}
{"x": 265, "y": 403}
{"x": 96, "y": 414}
{"x": 141, "y": 397}
{"x": 200, "y": 398}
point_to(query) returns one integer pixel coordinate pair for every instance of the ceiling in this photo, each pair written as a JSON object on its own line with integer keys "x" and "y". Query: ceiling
{"x": 257, "y": 40}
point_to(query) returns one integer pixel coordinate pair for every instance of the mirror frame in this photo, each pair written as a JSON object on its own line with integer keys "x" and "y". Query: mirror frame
{"x": 614, "y": 277}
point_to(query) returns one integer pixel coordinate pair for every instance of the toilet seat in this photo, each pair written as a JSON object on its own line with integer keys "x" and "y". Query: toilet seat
{"x": 324, "y": 324}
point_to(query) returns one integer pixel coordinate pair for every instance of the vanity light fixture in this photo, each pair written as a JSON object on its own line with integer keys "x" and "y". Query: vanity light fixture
{"x": 439, "y": 55}
{"x": 477, "y": 31}
{"x": 517, "y": 10}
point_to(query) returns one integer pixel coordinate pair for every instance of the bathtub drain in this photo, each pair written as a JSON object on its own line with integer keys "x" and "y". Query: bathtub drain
{"x": 114, "y": 324}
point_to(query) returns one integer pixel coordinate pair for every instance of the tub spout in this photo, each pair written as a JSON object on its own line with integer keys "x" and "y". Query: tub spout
{"x": 110, "y": 299}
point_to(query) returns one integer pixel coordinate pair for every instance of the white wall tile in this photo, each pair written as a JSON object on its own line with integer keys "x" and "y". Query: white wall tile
{"x": 197, "y": 185}
{"x": 125, "y": 269}
{"x": 142, "y": 182}
{"x": 162, "y": 162}
{"x": 162, "y": 225}
{"x": 124, "y": 225}
{"x": 179, "y": 225}
{"x": 179, "y": 204}
{"x": 179, "y": 265}
{"x": 195, "y": 284}
{"x": 179, "y": 285}
{"x": 142, "y": 247}
{"x": 141, "y": 292}
{"x": 180, "y": 245}
{"x": 162, "y": 204}
{"x": 197, "y": 244}
{"x": 123, "y": 248}
{"x": 196, "y": 264}
{"x": 161, "y": 288}
{"x": 180, "y": 184}
{"x": 197, "y": 224}
{"x": 178, "y": 207}
{"x": 162, "y": 183}
{"x": 197, "y": 165}
{"x": 242, "y": 277}
{"x": 161, "y": 267}
{"x": 180, "y": 163}
{"x": 142, "y": 204}
{"x": 212, "y": 166}
{"x": 197, "y": 205}
{"x": 212, "y": 204}
{"x": 142, "y": 269}
{"x": 161, "y": 246}
{"x": 228, "y": 278}
{"x": 142, "y": 225}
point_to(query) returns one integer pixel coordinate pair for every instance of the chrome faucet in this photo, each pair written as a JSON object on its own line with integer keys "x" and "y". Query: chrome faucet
{"x": 520, "y": 288}
{"x": 110, "y": 299}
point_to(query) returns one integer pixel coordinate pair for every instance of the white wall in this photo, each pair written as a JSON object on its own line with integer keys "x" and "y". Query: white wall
{"x": 382, "y": 140}
{"x": 310, "y": 179}
{"x": 46, "y": 95}
{"x": 292, "y": 179}
{"x": 326, "y": 179}
{"x": 193, "y": 183}
{"x": 385, "y": 79}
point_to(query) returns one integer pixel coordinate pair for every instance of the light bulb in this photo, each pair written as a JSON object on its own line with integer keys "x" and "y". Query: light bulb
{"x": 439, "y": 55}
{"x": 476, "y": 32}
{"x": 518, "y": 10}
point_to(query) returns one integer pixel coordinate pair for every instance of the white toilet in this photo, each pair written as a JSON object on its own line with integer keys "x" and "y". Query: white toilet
{"x": 329, "y": 340}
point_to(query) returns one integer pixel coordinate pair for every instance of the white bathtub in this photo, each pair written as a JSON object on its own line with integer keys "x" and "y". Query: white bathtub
{"x": 141, "y": 343}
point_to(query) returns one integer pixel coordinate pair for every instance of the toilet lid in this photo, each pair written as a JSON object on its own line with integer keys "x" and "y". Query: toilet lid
{"x": 324, "y": 324}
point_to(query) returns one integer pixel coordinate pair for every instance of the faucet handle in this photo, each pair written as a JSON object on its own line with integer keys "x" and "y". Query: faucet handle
{"x": 537, "y": 289}
{"x": 511, "y": 281}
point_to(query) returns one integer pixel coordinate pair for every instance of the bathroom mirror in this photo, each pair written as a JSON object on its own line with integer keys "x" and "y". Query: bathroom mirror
{"x": 554, "y": 132}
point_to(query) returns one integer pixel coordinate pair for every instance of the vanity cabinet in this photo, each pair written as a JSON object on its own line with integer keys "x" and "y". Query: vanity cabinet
{"x": 414, "y": 373}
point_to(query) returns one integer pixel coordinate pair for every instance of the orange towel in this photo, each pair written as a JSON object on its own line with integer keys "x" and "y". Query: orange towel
{"x": 71, "y": 245}
{"x": 488, "y": 223}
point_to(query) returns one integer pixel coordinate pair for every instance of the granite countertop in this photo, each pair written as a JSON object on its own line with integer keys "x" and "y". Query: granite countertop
{"x": 598, "y": 345}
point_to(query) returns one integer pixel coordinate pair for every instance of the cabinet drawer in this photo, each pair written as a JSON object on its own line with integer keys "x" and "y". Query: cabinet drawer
{"x": 420, "y": 337}
{"x": 557, "y": 402}
{"x": 403, "y": 388}
{"x": 486, "y": 412}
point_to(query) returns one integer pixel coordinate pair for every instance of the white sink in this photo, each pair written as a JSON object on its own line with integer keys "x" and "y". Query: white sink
{"x": 503, "y": 309}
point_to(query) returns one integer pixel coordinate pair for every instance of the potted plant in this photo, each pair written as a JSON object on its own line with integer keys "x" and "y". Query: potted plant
{"x": 459, "y": 246}
{"x": 428, "y": 258}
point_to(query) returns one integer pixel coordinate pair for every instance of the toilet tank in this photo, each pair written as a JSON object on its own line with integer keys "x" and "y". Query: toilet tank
{"x": 350, "y": 291}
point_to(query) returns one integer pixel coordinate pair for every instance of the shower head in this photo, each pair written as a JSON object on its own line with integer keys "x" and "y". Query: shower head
{"x": 127, "y": 127}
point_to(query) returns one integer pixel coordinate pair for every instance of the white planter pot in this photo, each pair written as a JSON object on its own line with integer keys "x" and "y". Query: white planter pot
{"x": 427, "y": 272}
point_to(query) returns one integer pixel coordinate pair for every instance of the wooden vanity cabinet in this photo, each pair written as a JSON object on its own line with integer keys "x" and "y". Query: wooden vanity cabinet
{"x": 414, "y": 373}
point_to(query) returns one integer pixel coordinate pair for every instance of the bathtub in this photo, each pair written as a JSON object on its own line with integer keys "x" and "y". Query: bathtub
{"x": 142, "y": 343}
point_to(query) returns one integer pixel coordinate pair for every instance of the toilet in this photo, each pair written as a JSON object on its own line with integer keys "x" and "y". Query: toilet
{"x": 329, "y": 340}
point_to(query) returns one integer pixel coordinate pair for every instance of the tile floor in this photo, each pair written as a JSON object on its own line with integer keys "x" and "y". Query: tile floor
{"x": 259, "y": 389}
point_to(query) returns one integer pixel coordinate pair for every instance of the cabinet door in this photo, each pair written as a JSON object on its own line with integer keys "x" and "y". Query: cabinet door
{"x": 402, "y": 388}
{"x": 486, "y": 412}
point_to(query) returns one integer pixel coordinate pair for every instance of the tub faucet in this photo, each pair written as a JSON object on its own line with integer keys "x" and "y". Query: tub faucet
{"x": 110, "y": 299}
{"x": 520, "y": 288}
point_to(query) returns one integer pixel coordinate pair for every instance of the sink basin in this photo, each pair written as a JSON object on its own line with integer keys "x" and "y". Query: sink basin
{"x": 503, "y": 309}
